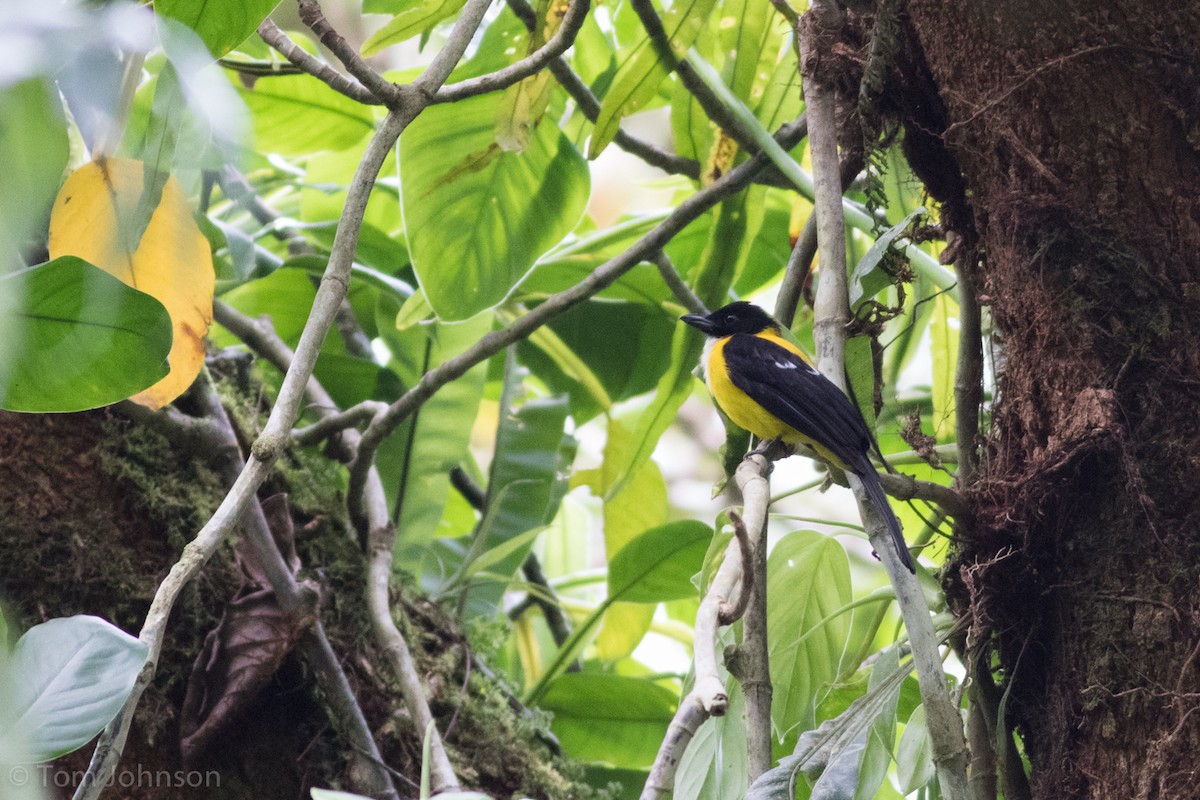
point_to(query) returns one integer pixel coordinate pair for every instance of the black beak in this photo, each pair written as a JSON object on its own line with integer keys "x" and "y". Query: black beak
{"x": 699, "y": 322}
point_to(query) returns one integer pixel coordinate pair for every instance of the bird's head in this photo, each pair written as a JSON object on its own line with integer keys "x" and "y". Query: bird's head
{"x": 739, "y": 317}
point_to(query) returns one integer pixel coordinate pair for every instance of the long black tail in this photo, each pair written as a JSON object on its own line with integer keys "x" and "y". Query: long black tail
{"x": 870, "y": 482}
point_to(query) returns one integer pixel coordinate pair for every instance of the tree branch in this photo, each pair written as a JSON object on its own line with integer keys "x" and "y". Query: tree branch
{"x": 335, "y": 423}
{"x": 300, "y": 58}
{"x": 385, "y": 92}
{"x": 558, "y": 44}
{"x": 732, "y": 182}
{"x": 590, "y": 106}
{"x": 968, "y": 378}
{"x": 378, "y": 533}
{"x": 819, "y": 31}
{"x": 674, "y": 281}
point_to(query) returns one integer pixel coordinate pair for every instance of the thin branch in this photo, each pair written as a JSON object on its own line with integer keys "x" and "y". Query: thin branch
{"x": 277, "y": 432}
{"x": 379, "y": 534}
{"x": 708, "y": 697}
{"x": 819, "y": 31}
{"x": 303, "y": 61}
{"x": 732, "y": 182}
{"x": 333, "y": 424}
{"x": 386, "y": 92}
{"x": 753, "y": 656}
{"x": 590, "y": 106}
{"x": 732, "y": 612}
{"x": 259, "y": 69}
{"x": 559, "y": 43}
{"x": 671, "y": 277}
{"x": 906, "y": 487}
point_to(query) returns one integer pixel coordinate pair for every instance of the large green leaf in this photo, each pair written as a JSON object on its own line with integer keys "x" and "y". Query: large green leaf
{"x": 478, "y": 217}
{"x": 609, "y": 718}
{"x": 70, "y": 677}
{"x": 808, "y": 578}
{"x": 677, "y": 549}
{"x": 297, "y": 115}
{"x": 77, "y": 338}
{"x": 640, "y": 71}
{"x": 221, "y": 24}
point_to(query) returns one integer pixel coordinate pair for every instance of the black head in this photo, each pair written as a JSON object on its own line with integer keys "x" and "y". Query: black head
{"x": 739, "y": 317}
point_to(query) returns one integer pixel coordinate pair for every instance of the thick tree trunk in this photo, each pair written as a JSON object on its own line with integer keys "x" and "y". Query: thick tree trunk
{"x": 1075, "y": 127}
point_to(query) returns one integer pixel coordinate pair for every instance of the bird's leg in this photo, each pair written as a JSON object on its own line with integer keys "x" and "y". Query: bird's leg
{"x": 766, "y": 448}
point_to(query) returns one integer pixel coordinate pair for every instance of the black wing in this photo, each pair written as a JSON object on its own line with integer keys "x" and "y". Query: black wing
{"x": 798, "y": 394}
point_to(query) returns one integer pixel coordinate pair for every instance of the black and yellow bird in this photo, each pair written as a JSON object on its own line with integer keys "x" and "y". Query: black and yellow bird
{"x": 765, "y": 384}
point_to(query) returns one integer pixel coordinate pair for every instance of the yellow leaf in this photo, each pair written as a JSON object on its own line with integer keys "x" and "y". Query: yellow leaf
{"x": 94, "y": 218}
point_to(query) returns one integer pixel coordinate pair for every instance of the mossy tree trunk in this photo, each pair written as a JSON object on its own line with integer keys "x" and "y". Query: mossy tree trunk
{"x": 1075, "y": 127}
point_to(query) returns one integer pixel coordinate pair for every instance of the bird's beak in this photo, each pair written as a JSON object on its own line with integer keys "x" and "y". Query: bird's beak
{"x": 699, "y": 322}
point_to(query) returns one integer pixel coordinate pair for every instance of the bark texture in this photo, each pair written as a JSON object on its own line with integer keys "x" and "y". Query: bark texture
{"x": 1075, "y": 128}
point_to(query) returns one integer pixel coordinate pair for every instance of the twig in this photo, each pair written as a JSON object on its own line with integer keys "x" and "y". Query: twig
{"x": 379, "y": 535}
{"x": 347, "y": 715}
{"x": 300, "y": 58}
{"x": 671, "y": 277}
{"x": 820, "y": 27}
{"x": 590, "y": 106}
{"x": 906, "y": 487}
{"x": 606, "y": 274}
{"x": 708, "y": 697}
{"x": 276, "y": 434}
{"x": 332, "y": 424}
{"x": 732, "y": 612}
{"x": 386, "y": 92}
{"x": 753, "y": 655}
{"x": 558, "y": 44}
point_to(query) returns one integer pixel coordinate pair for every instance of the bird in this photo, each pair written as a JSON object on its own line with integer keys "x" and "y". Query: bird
{"x": 766, "y": 385}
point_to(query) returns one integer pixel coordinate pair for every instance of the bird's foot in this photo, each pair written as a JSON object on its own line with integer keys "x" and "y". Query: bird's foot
{"x": 772, "y": 449}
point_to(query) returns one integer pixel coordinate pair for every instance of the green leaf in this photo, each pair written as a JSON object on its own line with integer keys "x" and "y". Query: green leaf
{"x": 914, "y": 758}
{"x": 526, "y": 484}
{"x": 478, "y": 217}
{"x": 716, "y": 765}
{"x": 860, "y": 371}
{"x": 34, "y": 151}
{"x": 609, "y": 718}
{"x": 221, "y": 24}
{"x": 70, "y": 678}
{"x": 436, "y": 438}
{"x": 579, "y": 354}
{"x": 412, "y": 18}
{"x": 808, "y": 578}
{"x": 77, "y": 338}
{"x": 286, "y": 296}
{"x": 676, "y": 550}
{"x": 331, "y": 121}
{"x": 877, "y": 755}
{"x": 943, "y": 335}
{"x": 867, "y": 279}
{"x": 640, "y": 71}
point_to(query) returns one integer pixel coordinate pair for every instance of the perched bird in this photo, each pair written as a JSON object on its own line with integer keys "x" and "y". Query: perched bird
{"x": 765, "y": 384}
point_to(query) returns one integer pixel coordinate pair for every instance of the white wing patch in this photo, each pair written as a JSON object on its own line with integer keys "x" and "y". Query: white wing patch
{"x": 785, "y": 365}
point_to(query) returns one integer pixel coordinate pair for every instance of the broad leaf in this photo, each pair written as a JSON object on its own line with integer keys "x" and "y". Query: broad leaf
{"x": 808, "y": 578}
{"x": 95, "y": 218}
{"x": 478, "y": 217}
{"x": 412, "y": 17}
{"x": 914, "y": 758}
{"x": 716, "y": 765}
{"x": 77, "y": 338}
{"x": 640, "y": 70}
{"x": 221, "y": 24}
{"x": 70, "y": 678}
{"x": 676, "y": 549}
{"x": 34, "y": 150}
{"x": 609, "y": 718}
{"x": 330, "y": 121}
